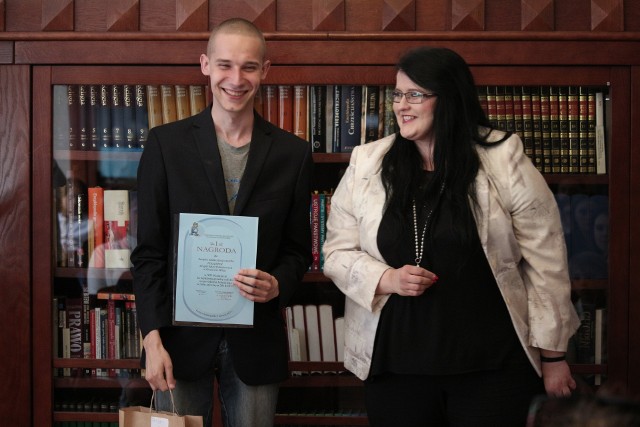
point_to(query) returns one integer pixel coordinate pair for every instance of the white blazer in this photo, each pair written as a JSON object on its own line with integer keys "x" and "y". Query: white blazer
{"x": 520, "y": 232}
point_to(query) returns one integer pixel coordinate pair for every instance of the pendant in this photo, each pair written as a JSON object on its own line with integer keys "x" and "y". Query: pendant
{"x": 418, "y": 260}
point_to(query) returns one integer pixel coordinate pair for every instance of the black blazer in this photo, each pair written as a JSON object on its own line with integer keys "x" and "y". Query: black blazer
{"x": 180, "y": 172}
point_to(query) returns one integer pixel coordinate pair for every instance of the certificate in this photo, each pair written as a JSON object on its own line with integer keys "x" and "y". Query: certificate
{"x": 210, "y": 251}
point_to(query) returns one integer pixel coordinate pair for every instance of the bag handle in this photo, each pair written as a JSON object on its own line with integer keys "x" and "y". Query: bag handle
{"x": 173, "y": 403}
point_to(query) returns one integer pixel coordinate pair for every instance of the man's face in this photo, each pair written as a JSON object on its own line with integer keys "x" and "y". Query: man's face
{"x": 235, "y": 67}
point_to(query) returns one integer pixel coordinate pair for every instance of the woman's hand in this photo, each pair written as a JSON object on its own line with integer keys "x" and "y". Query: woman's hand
{"x": 558, "y": 381}
{"x": 408, "y": 281}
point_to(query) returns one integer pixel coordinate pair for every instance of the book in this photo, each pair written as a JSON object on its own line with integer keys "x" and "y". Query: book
{"x": 492, "y": 106}
{"x": 339, "y": 331}
{"x": 351, "y": 114}
{"x": 197, "y": 99}
{"x": 337, "y": 118}
{"x": 270, "y": 103}
{"x": 301, "y": 111}
{"x": 563, "y": 119}
{"x": 536, "y": 126}
{"x": 92, "y": 117}
{"x": 371, "y": 113}
{"x": 61, "y": 120}
{"x": 73, "y": 107}
{"x": 601, "y": 149}
{"x": 183, "y": 109}
{"x": 73, "y": 322}
{"x": 285, "y": 107}
{"x": 508, "y": 108}
{"x": 583, "y": 129}
{"x": 118, "y": 139}
{"x": 501, "y": 110}
{"x": 573, "y": 106}
{"x": 104, "y": 117}
{"x": 527, "y": 122}
{"x": 318, "y": 118}
{"x": 554, "y": 129}
{"x": 312, "y": 328}
{"x": 300, "y": 325}
{"x": 600, "y": 336}
{"x": 327, "y": 333}
{"x": 518, "y": 124}
{"x": 154, "y": 106}
{"x": 545, "y": 129}
{"x": 591, "y": 130}
{"x": 96, "y": 227}
{"x": 293, "y": 339}
{"x": 315, "y": 231}
{"x": 83, "y": 117}
{"x": 142, "y": 116}
{"x": 116, "y": 229}
{"x": 168, "y": 102}
{"x": 390, "y": 124}
{"x": 129, "y": 116}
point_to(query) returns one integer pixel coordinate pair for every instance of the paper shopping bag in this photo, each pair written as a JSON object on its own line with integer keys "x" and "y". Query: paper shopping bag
{"x": 141, "y": 416}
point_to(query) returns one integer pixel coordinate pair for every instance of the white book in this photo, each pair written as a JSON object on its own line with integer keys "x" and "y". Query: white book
{"x": 116, "y": 232}
{"x": 313, "y": 332}
{"x": 601, "y": 146}
{"x": 299, "y": 325}
{"x": 339, "y": 330}
{"x": 327, "y": 335}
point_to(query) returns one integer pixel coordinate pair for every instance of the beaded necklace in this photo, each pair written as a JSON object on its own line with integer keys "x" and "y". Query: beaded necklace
{"x": 420, "y": 243}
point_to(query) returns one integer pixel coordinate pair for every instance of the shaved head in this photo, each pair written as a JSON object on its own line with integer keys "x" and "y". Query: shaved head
{"x": 237, "y": 26}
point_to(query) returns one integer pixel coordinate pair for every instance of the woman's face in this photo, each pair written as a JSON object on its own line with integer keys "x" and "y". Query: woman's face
{"x": 415, "y": 120}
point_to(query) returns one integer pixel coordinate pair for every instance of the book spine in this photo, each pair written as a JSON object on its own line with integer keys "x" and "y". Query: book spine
{"x": 317, "y": 118}
{"x": 61, "y": 120}
{"x": 501, "y": 117}
{"x": 301, "y": 111}
{"x": 104, "y": 118}
{"x": 492, "y": 106}
{"x": 285, "y": 107}
{"x": 351, "y": 113}
{"x": 96, "y": 217}
{"x": 183, "y": 109}
{"x": 142, "y": 116}
{"x": 74, "y": 325}
{"x": 563, "y": 117}
{"x": 508, "y": 109}
{"x": 168, "y": 102}
{"x": 86, "y": 327}
{"x": 337, "y": 120}
{"x": 116, "y": 228}
{"x": 197, "y": 99}
{"x": 83, "y": 117}
{"x": 372, "y": 115}
{"x": 315, "y": 231}
{"x": 601, "y": 149}
{"x": 92, "y": 117}
{"x": 129, "y": 116}
{"x": 545, "y": 127}
{"x": 117, "y": 117}
{"x": 270, "y": 103}
{"x": 518, "y": 125}
{"x": 591, "y": 130}
{"x": 573, "y": 104}
{"x": 154, "y": 106}
{"x": 554, "y": 124}
{"x": 536, "y": 126}
{"x": 73, "y": 106}
{"x": 527, "y": 123}
{"x": 389, "y": 116}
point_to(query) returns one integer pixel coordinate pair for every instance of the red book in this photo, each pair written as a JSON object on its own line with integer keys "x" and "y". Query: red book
{"x": 96, "y": 227}
{"x": 270, "y": 103}
{"x": 315, "y": 231}
{"x": 300, "y": 111}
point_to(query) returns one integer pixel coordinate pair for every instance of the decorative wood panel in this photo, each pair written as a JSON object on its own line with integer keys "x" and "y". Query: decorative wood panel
{"x": 503, "y": 15}
{"x": 158, "y": 15}
{"x": 574, "y": 15}
{"x": 1, "y": 15}
{"x": 432, "y": 15}
{"x": 399, "y": 15}
{"x": 607, "y": 15}
{"x": 363, "y": 15}
{"x": 57, "y": 15}
{"x": 261, "y": 12}
{"x": 328, "y": 15}
{"x": 192, "y": 15}
{"x": 114, "y": 15}
{"x": 537, "y": 15}
{"x": 15, "y": 247}
{"x": 467, "y": 15}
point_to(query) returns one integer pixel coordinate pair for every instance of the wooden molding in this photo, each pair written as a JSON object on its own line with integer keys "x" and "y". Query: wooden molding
{"x": 328, "y": 15}
{"x": 123, "y": 15}
{"x": 607, "y": 15}
{"x": 467, "y": 15}
{"x": 261, "y": 12}
{"x": 57, "y": 15}
{"x": 537, "y": 15}
{"x": 192, "y": 15}
{"x": 399, "y": 15}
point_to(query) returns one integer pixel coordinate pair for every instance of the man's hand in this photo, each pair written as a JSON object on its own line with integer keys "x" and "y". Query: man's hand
{"x": 256, "y": 285}
{"x": 558, "y": 381}
{"x": 158, "y": 366}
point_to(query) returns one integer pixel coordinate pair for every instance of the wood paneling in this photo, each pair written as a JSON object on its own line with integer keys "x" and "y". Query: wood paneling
{"x": 634, "y": 231}
{"x": 433, "y": 15}
{"x": 15, "y": 246}
{"x": 327, "y": 15}
{"x": 399, "y": 15}
{"x": 261, "y": 12}
{"x": 57, "y": 15}
{"x": 114, "y": 15}
{"x": 607, "y": 15}
{"x": 467, "y": 15}
{"x": 6, "y": 52}
{"x": 574, "y": 15}
{"x": 1, "y": 15}
{"x": 537, "y": 15}
{"x": 192, "y": 15}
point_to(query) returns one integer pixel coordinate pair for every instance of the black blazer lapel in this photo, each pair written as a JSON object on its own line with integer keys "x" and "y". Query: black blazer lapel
{"x": 204, "y": 135}
{"x": 260, "y": 145}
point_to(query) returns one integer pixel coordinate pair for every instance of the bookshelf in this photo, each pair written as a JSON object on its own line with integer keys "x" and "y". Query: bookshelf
{"x": 41, "y": 46}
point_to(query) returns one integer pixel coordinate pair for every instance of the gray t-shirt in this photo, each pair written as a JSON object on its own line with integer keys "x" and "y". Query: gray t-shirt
{"x": 234, "y": 160}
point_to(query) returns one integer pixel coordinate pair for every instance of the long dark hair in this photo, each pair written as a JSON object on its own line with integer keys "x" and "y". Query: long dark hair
{"x": 458, "y": 118}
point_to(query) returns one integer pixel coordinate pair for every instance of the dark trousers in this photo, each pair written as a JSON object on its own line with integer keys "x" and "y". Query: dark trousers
{"x": 498, "y": 398}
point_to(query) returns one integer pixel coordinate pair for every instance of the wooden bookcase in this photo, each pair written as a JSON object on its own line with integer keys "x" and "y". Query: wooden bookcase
{"x": 43, "y": 43}
{"x": 313, "y": 59}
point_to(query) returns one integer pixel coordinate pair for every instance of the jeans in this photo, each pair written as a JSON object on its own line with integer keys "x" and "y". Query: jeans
{"x": 242, "y": 405}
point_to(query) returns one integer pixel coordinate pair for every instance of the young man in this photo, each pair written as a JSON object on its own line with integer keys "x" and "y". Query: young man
{"x": 225, "y": 160}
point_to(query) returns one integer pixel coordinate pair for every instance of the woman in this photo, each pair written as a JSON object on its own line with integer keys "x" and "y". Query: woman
{"x": 447, "y": 243}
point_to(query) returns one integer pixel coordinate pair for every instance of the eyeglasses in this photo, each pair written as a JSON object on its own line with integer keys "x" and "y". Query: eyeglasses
{"x": 413, "y": 97}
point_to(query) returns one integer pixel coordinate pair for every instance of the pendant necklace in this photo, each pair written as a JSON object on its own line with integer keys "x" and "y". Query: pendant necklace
{"x": 420, "y": 243}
